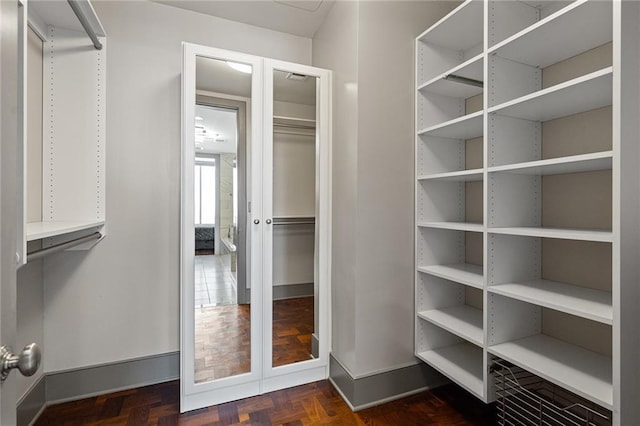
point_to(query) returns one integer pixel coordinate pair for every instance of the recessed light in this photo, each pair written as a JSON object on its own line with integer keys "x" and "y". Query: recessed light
{"x": 245, "y": 68}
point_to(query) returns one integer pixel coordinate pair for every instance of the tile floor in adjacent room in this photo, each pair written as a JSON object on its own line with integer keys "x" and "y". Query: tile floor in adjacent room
{"x": 214, "y": 282}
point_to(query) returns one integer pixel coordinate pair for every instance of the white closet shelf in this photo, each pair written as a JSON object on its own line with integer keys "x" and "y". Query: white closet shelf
{"x": 473, "y": 175}
{"x": 463, "y": 273}
{"x": 557, "y": 37}
{"x": 471, "y": 69}
{"x": 453, "y": 226}
{"x": 580, "y": 371}
{"x": 446, "y": 32}
{"x": 560, "y": 233}
{"x": 561, "y": 165}
{"x": 584, "y": 302}
{"x": 465, "y": 127}
{"x": 581, "y": 94}
{"x": 39, "y": 230}
{"x": 462, "y": 363}
{"x": 463, "y": 321}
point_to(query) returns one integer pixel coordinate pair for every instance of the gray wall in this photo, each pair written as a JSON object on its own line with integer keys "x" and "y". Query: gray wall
{"x": 335, "y": 47}
{"x": 120, "y": 300}
{"x": 370, "y": 47}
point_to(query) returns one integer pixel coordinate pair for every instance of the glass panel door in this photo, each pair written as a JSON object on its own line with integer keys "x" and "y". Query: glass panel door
{"x": 295, "y": 284}
{"x": 221, "y": 314}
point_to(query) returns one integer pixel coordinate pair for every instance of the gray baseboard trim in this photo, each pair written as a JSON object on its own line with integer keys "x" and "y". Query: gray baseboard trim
{"x": 87, "y": 382}
{"x": 33, "y": 403}
{"x": 290, "y": 291}
{"x": 365, "y": 392}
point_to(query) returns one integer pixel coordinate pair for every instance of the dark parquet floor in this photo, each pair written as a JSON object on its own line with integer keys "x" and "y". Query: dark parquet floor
{"x": 223, "y": 337}
{"x": 313, "y": 404}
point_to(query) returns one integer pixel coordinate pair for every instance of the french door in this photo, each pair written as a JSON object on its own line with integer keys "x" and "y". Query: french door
{"x": 254, "y": 314}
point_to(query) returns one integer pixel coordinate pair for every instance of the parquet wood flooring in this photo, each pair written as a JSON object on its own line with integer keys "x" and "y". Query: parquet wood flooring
{"x": 223, "y": 341}
{"x": 292, "y": 329}
{"x": 312, "y": 404}
{"x": 223, "y": 337}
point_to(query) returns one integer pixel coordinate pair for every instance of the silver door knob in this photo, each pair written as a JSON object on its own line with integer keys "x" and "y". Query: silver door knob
{"x": 27, "y": 361}
{"x": 256, "y": 221}
{"x": 268, "y": 221}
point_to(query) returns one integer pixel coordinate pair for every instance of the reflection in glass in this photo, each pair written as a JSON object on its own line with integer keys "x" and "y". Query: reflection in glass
{"x": 294, "y": 207}
{"x": 222, "y": 310}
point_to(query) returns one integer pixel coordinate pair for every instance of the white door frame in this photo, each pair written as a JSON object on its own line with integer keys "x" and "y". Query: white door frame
{"x": 12, "y": 67}
{"x": 262, "y": 377}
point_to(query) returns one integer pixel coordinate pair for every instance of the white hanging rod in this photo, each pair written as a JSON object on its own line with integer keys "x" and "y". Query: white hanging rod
{"x": 63, "y": 246}
{"x": 302, "y": 220}
{"x": 82, "y": 9}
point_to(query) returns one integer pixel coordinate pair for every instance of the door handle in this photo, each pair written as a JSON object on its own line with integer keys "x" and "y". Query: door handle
{"x": 27, "y": 362}
{"x": 268, "y": 221}
{"x": 256, "y": 221}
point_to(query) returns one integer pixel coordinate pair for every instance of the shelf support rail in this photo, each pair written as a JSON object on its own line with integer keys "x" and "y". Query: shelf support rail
{"x": 37, "y": 254}
{"x": 79, "y": 7}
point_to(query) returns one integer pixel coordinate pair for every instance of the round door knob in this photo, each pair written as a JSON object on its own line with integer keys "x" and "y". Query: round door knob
{"x": 27, "y": 362}
{"x": 256, "y": 221}
{"x": 268, "y": 221}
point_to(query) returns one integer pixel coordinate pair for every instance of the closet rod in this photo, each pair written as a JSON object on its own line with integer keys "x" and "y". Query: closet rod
{"x": 294, "y": 126}
{"x": 302, "y": 220}
{"x": 463, "y": 80}
{"x": 82, "y": 17}
{"x": 63, "y": 246}
{"x": 308, "y": 222}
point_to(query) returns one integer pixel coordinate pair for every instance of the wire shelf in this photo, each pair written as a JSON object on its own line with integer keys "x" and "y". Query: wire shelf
{"x": 525, "y": 399}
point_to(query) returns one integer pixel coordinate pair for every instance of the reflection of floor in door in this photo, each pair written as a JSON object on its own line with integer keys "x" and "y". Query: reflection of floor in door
{"x": 292, "y": 329}
{"x": 222, "y": 337}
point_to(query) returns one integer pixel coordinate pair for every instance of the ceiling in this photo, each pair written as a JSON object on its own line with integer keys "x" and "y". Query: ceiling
{"x": 215, "y": 130}
{"x": 297, "y": 17}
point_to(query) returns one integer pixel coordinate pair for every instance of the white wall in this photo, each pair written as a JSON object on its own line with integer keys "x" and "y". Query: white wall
{"x": 370, "y": 47}
{"x": 120, "y": 300}
{"x": 335, "y": 47}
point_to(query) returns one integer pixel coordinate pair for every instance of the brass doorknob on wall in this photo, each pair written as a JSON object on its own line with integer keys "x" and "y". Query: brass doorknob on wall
{"x": 268, "y": 221}
{"x": 27, "y": 361}
{"x": 256, "y": 221}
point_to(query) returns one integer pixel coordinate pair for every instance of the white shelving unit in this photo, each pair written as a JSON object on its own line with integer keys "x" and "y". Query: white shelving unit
{"x": 521, "y": 196}
{"x": 73, "y": 139}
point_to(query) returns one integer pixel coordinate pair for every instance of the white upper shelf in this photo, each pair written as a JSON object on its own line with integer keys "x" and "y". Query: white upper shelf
{"x": 473, "y": 175}
{"x": 582, "y": 26}
{"x": 453, "y": 226}
{"x": 465, "y": 127}
{"x": 463, "y": 273}
{"x": 584, "y": 302}
{"x": 561, "y": 165}
{"x": 581, "y": 94}
{"x": 59, "y": 14}
{"x": 471, "y": 69}
{"x": 39, "y": 230}
{"x": 463, "y": 321}
{"x": 561, "y": 233}
{"x": 460, "y": 30}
